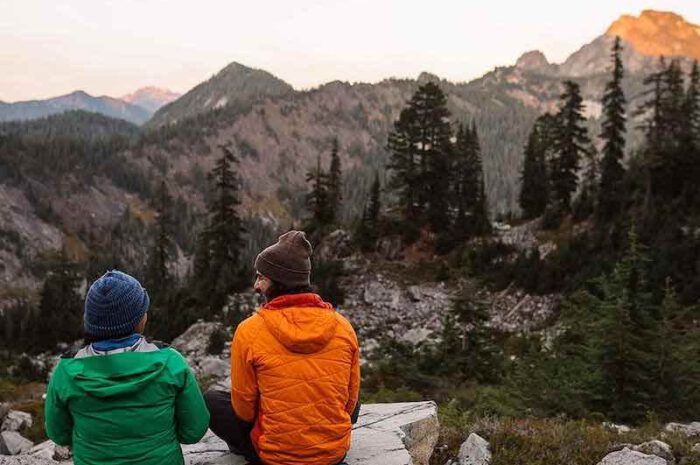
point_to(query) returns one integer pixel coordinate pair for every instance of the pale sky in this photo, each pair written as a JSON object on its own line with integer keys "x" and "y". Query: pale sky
{"x": 50, "y": 48}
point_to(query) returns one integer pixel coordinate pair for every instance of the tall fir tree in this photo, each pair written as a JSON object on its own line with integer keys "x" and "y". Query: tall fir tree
{"x": 627, "y": 327}
{"x": 613, "y": 136}
{"x": 162, "y": 252}
{"x": 60, "y": 312}
{"x": 534, "y": 187}
{"x": 480, "y": 213}
{"x": 420, "y": 158}
{"x": 335, "y": 184}
{"x": 220, "y": 245}
{"x": 368, "y": 227}
{"x": 571, "y": 143}
{"x": 318, "y": 199}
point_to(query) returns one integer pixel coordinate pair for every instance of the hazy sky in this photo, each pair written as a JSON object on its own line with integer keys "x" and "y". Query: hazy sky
{"x": 49, "y": 47}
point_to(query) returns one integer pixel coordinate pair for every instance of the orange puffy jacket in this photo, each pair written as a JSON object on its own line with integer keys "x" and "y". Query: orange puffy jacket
{"x": 295, "y": 372}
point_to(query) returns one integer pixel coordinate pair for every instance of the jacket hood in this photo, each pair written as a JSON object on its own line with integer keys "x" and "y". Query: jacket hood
{"x": 303, "y": 323}
{"x": 115, "y": 375}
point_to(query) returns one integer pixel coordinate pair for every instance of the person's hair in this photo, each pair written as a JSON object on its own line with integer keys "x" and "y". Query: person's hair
{"x": 277, "y": 289}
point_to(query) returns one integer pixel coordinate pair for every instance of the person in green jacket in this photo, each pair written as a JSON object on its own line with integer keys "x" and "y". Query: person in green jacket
{"x": 120, "y": 399}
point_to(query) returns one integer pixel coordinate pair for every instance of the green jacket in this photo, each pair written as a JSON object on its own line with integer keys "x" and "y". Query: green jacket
{"x": 125, "y": 408}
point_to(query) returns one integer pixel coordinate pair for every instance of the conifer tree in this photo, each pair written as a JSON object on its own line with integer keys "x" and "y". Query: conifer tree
{"x": 627, "y": 326}
{"x": 534, "y": 190}
{"x": 60, "y": 312}
{"x": 613, "y": 136}
{"x": 158, "y": 277}
{"x": 334, "y": 184}
{"x": 420, "y": 158}
{"x": 318, "y": 199}
{"x": 403, "y": 163}
{"x": 571, "y": 142}
{"x": 480, "y": 213}
{"x": 223, "y": 238}
{"x": 368, "y": 229}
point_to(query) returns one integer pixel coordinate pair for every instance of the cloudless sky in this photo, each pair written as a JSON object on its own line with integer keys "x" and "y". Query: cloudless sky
{"x": 52, "y": 47}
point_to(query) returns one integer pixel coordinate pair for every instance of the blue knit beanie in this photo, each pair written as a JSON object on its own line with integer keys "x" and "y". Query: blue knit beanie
{"x": 114, "y": 305}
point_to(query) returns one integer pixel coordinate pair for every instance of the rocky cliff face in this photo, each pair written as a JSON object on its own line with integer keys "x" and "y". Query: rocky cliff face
{"x": 657, "y": 33}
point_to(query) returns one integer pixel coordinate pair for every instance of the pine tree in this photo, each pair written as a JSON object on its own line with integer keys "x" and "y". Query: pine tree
{"x": 571, "y": 142}
{"x": 480, "y": 213}
{"x": 420, "y": 158}
{"x": 224, "y": 234}
{"x": 60, "y": 313}
{"x": 158, "y": 277}
{"x": 403, "y": 163}
{"x": 480, "y": 353}
{"x": 627, "y": 326}
{"x": 318, "y": 199}
{"x": 613, "y": 136}
{"x": 368, "y": 229}
{"x": 534, "y": 191}
{"x": 692, "y": 105}
{"x": 691, "y": 128}
{"x": 334, "y": 184}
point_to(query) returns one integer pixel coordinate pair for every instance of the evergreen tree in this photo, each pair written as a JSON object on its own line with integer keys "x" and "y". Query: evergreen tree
{"x": 334, "y": 184}
{"x": 403, "y": 163}
{"x": 158, "y": 277}
{"x": 223, "y": 238}
{"x": 534, "y": 191}
{"x": 420, "y": 158}
{"x": 613, "y": 136}
{"x": 478, "y": 357}
{"x": 368, "y": 229}
{"x": 480, "y": 213}
{"x": 571, "y": 142}
{"x": 691, "y": 131}
{"x": 60, "y": 312}
{"x": 318, "y": 200}
{"x": 627, "y": 327}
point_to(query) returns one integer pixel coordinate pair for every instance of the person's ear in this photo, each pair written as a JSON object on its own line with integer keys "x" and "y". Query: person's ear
{"x": 142, "y": 324}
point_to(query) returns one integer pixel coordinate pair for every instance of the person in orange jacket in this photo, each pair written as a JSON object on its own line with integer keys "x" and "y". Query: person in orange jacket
{"x": 295, "y": 369}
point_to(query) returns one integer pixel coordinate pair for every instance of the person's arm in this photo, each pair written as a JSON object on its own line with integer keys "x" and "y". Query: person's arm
{"x": 352, "y": 406}
{"x": 244, "y": 382}
{"x": 191, "y": 413}
{"x": 57, "y": 416}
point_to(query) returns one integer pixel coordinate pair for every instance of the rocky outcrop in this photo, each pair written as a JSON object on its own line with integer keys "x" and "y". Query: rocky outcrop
{"x": 474, "y": 451}
{"x": 657, "y": 448}
{"x": 12, "y": 443}
{"x": 16, "y": 420}
{"x": 689, "y": 429}
{"x": 385, "y": 434}
{"x": 627, "y": 456}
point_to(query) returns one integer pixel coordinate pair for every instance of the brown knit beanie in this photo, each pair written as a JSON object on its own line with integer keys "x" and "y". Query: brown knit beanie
{"x": 288, "y": 261}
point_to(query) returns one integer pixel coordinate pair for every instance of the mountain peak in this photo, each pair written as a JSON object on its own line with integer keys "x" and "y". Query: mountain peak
{"x": 235, "y": 85}
{"x": 532, "y": 60}
{"x": 656, "y": 33}
{"x": 150, "y": 97}
{"x": 426, "y": 77}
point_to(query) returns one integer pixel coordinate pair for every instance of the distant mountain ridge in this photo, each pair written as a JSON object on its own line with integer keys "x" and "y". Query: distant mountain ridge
{"x": 151, "y": 98}
{"x": 78, "y": 100}
{"x": 235, "y": 84}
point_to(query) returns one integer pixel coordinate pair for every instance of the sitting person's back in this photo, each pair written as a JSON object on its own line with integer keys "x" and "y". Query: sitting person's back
{"x": 121, "y": 399}
{"x": 294, "y": 370}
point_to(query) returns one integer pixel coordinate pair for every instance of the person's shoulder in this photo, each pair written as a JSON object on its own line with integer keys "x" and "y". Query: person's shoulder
{"x": 345, "y": 325}
{"x": 249, "y": 326}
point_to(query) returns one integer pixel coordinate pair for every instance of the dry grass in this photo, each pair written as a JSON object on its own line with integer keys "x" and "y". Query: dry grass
{"x": 550, "y": 441}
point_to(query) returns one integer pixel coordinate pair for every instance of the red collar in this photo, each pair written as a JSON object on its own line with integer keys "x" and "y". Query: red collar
{"x": 308, "y": 299}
